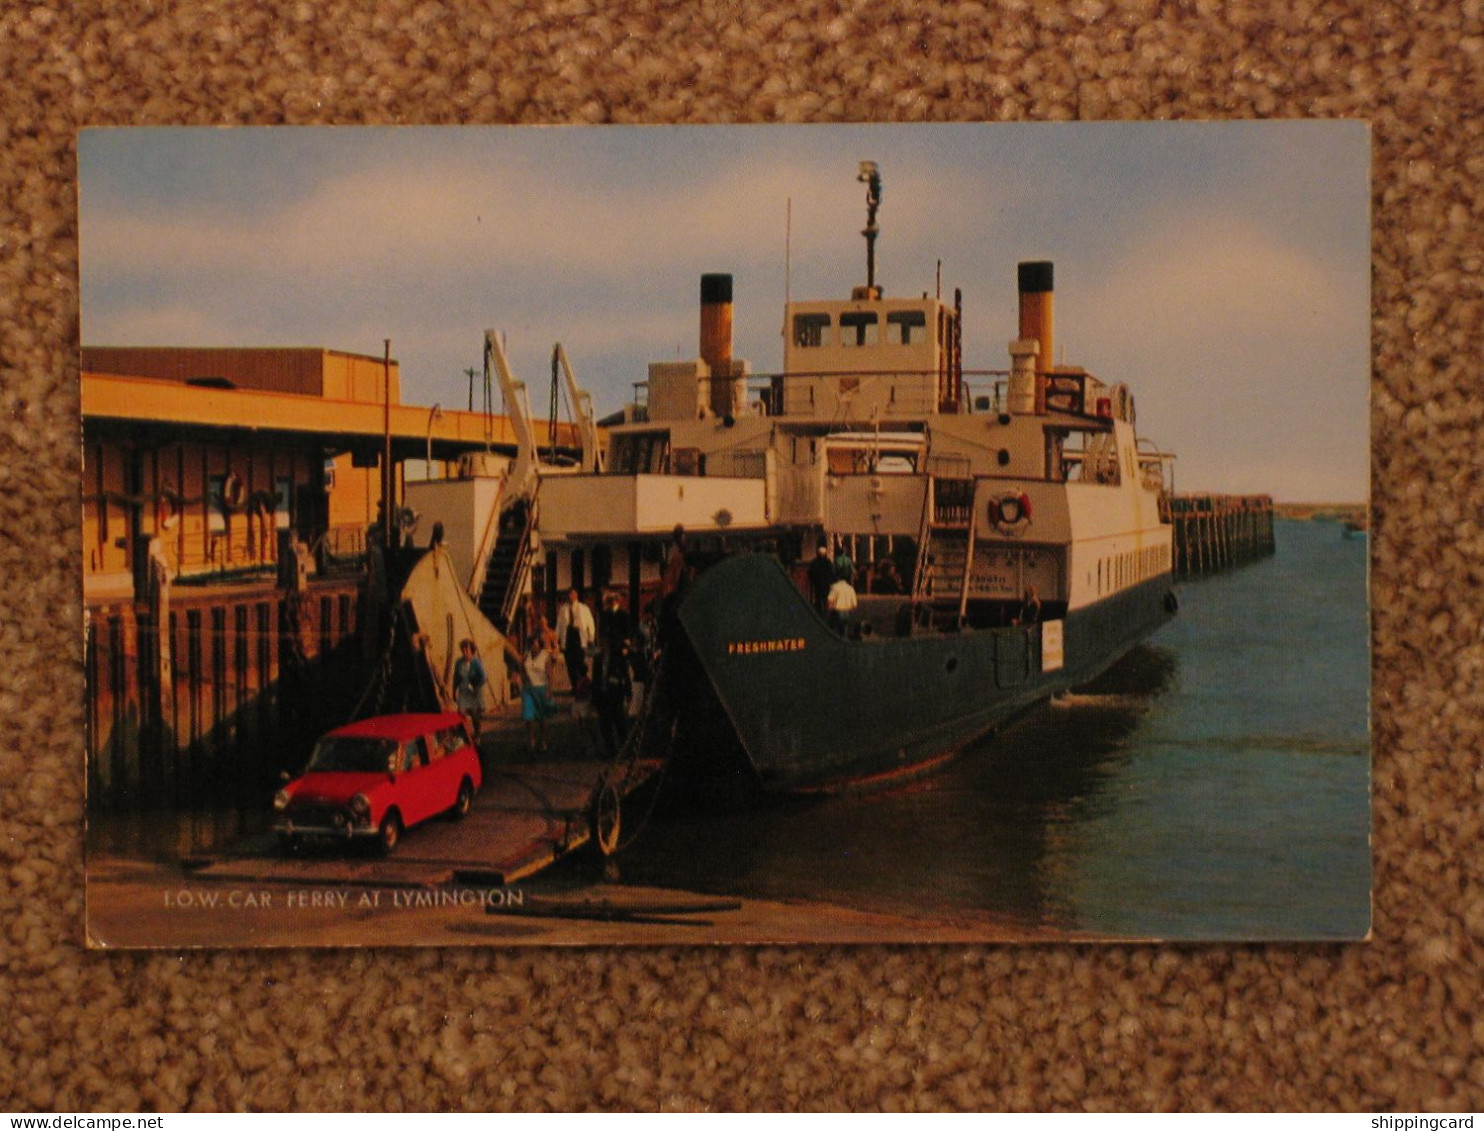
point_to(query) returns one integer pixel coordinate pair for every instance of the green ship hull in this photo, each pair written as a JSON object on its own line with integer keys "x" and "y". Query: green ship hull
{"x": 814, "y": 711}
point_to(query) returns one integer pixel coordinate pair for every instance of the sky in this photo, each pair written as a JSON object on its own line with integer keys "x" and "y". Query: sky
{"x": 1222, "y": 270}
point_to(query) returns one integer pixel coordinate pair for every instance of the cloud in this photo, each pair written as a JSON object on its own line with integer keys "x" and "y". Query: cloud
{"x": 1204, "y": 276}
{"x": 1232, "y": 327}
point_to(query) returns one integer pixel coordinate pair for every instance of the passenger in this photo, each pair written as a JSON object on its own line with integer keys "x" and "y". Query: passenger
{"x": 645, "y": 645}
{"x": 821, "y": 575}
{"x": 585, "y": 716}
{"x": 577, "y": 632}
{"x": 613, "y": 621}
{"x": 1030, "y": 608}
{"x": 536, "y": 704}
{"x": 841, "y": 604}
{"x": 887, "y": 580}
{"x": 844, "y": 565}
{"x": 468, "y": 685}
{"x": 675, "y": 565}
{"x": 547, "y": 634}
{"x": 613, "y": 684}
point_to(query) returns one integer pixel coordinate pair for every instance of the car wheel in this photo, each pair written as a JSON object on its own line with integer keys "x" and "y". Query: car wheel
{"x": 464, "y": 801}
{"x": 389, "y": 834}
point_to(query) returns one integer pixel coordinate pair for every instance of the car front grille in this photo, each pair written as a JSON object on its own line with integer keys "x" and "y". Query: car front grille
{"x": 319, "y": 816}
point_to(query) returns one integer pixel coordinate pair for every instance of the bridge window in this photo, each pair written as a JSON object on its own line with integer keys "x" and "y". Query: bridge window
{"x": 811, "y": 329}
{"x": 903, "y": 327}
{"x": 859, "y": 328}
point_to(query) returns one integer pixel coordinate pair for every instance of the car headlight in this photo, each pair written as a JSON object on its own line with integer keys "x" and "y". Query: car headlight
{"x": 281, "y": 799}
{"x": 360, "y": 808}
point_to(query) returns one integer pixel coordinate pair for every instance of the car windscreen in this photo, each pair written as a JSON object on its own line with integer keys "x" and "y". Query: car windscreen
{"x": 352, "y": 755}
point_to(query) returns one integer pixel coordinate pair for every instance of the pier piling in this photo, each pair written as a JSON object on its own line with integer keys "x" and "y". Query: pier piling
{"x": 1218, "y": 532}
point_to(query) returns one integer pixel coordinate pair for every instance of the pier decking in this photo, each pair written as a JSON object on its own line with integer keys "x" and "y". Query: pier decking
{"x": 1218, "y": 532}
{"x": 527, "y": 815}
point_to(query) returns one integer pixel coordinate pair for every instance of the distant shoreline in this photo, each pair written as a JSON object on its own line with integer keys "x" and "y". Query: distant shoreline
{"x": 1322, "y": 512}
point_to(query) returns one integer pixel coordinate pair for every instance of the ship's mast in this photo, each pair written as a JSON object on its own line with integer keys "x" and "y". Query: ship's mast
{"x": 870, "y": 176}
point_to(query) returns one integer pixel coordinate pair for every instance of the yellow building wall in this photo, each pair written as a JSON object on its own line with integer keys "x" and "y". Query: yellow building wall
{"x": 172, "y": 495}
{"x": 355, "y": 495}
{"x": 351, "y": 377}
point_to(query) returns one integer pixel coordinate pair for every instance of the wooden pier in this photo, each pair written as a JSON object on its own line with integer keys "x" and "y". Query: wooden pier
{"x": 1218, "y": 532}
{"x": 525, "y": 818}
{"x": 529, "y": 814}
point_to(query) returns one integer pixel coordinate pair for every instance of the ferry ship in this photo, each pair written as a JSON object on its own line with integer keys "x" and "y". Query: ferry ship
{"x": 1018, "y": 509}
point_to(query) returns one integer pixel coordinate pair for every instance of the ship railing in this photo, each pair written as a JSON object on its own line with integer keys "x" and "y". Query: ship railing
{"x": 1152, "y": 463}
{"x": 921, "y": 573}
{"x": 987, "y": 396}
{"x": 340, "y": 549}
{"x": 521, "y": 571}
{"x": 766, "y": 390}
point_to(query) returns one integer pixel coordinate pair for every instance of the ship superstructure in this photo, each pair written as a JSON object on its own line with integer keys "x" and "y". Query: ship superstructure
{"x": 1017, "y": 508}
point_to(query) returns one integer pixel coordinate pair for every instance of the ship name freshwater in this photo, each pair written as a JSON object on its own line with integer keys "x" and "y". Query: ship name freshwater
{"x": 761, "y": 647}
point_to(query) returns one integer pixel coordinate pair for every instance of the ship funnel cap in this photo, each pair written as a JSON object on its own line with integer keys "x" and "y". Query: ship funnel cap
{"x": 716, "y": 289}
{"x": 1035, "y": 277}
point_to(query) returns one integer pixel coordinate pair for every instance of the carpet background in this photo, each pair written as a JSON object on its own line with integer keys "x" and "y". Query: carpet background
{"x": 1393, "y": 1024}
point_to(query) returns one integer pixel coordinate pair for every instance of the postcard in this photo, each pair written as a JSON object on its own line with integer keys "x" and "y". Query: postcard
{"x": 762, "y": 534}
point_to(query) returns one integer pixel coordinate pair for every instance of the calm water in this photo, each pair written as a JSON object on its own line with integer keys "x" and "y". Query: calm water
{"x": 1216, "y": 784}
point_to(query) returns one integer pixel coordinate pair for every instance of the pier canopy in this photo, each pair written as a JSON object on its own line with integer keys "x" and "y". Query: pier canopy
{"x": 221, "y": 453}
{"x": 144, "y": 403}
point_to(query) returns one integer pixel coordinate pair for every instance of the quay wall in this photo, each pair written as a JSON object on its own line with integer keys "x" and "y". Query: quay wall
{"x": 1218, "y": 532}
{"x": 206, "y": 701}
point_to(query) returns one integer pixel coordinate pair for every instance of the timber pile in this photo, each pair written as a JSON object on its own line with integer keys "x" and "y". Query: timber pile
{"x": 1217, "y": 532}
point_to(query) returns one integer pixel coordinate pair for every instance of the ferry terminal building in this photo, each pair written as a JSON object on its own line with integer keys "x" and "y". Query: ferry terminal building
{"x": 228, "y": 496}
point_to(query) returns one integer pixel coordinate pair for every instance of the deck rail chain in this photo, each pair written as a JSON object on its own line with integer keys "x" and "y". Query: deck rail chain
{"x": 633, "y": 745}
{"x": 382, "y": 675}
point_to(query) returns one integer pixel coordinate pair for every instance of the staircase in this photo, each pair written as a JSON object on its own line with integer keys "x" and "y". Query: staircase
{"x": 509, "y": 562}
{"x": 945, "y": 561}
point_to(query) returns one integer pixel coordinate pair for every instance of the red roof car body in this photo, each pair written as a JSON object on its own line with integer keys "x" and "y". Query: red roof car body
{"x": 376, "y": 778}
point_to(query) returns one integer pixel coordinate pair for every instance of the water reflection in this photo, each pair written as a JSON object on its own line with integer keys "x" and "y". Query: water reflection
{"x": 173, "y": 834}
{"x": 980, "y": 833}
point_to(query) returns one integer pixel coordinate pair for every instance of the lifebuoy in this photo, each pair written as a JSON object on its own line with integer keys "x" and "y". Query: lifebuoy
{"x": 234, "y": 491}
{"x": 1011, "y": 513}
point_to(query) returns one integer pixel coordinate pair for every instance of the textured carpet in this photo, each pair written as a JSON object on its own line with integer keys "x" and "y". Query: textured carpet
{"x": 1393, "y": 1024}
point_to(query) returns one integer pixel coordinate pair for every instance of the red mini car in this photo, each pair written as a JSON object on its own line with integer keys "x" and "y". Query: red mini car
{"x": 376, "y": 778}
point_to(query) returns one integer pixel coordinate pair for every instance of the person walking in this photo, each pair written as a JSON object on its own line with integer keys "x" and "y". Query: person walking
{"x": 468, "y": 685}
{"x": 577, "y": 633}
{"x": 536, "y": 704}
{"x": 613, "y": 684}
{"x": 841, "y": 603}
